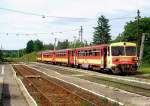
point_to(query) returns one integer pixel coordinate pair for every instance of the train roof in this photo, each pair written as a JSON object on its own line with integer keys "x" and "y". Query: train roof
{"x": 94, "y": 46}
{"x": 123, "y": 44}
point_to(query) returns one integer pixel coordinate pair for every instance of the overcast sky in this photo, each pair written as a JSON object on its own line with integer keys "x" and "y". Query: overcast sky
{"x": 83, "y": 12}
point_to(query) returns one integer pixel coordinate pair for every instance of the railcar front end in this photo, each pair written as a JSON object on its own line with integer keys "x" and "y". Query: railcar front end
{"x": 123, "y": 58}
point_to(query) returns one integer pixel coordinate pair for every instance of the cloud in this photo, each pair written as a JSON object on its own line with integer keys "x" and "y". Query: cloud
{"x": 83, "y": 12}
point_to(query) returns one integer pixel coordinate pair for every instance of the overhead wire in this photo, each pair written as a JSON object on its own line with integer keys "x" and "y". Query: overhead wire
{"x": 44, "y": 16}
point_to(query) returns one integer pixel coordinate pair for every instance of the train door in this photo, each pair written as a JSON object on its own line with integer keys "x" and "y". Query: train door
{"x": 71, "y": 57}
{"x": 75, "y": 57}
{"x": 105, "y": 57}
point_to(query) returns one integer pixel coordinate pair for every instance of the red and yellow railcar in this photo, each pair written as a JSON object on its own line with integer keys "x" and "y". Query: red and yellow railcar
{"x": 120, "y": 57}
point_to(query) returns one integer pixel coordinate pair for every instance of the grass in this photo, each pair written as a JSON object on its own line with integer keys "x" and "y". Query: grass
{"x": 104, "y": 99}
{"x": 86, "y": 103}
{"x": 31, "y": 57}
{"x": 144, "y": 69}
{"x": 37, "y": 101}
{"x": 128, "y": 86}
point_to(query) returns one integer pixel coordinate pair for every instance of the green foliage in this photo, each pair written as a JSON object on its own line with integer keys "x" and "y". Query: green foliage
{"x": 38, "y": 45}
{"x": 104, "y": 99}
{"x": 130, "y": 34}
{"x": 1, "y": 55}
{"x": 49, "y": 47}
{"x": 101, "y": 34}
{"x": 76, "y": 44}
{"x": 62, "y": 45}
{"x": 30, "y": 46}
{"x": 31, "y": 57}
{"x": 145, "y": 69}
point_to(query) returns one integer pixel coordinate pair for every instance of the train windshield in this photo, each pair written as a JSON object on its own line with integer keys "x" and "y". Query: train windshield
{"x": 130, "y": 50}
{"x": 117, "y": 51}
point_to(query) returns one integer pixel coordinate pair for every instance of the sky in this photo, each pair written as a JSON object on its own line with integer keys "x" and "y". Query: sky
{"x": 23, "y": 27}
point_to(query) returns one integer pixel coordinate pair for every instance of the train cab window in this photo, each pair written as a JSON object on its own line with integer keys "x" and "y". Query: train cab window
{"x": 130, "y": 50}
{"x": 117, "y": 51}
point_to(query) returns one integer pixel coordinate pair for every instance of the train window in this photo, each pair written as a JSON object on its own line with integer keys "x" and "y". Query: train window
{"x": 130, "y": 50}
{"x": 81, "y": 53}
{"x": 71, "y": 53}
{"x": 117, "y": 51}
{"x": 90, "y": 52}
{"x": 95, "y": 52}
{"x": 78, "y": 53}
{"x": 85, "y": 53}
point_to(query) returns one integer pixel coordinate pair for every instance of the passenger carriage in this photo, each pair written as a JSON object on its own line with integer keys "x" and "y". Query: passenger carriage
{"x": 48, "y": 56}
{"x": 61, "y": 56}
{"x": 39, "y": 56}
{"x": 91, "y": 57}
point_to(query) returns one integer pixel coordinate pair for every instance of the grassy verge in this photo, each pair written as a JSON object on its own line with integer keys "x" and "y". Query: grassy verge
{"x": 26, "y": 58}
{"x": 144, "y": 69}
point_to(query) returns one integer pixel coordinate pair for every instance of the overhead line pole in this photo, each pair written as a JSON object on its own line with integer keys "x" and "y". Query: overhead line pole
{"x": 138, "y": 36}
{"x": 81, "y": 33}
{"x": 55, "y": 44}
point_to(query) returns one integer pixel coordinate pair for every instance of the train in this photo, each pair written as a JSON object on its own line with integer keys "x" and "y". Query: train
{"x": 117, "y": 58}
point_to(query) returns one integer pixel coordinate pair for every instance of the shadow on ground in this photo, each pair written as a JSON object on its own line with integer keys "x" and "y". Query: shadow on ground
{"x": 6, "y": 97}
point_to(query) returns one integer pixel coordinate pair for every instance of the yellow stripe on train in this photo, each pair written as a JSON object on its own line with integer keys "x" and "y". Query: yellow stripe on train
{"x": 61, "y": 60}
{"x": 89, "y": 61}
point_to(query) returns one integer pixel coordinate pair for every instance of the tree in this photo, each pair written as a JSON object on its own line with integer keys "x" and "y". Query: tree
{"x": 130, "y": 34}
{"x": 76, "y": 44}
{"x": 38, "y": 45}
{"x": 101, "y": 34}
{"x": 30, "y": 46}
{"x": 1, "y": 55}
{"x": 49, "y": 47}
{"x": 63, "y": 44}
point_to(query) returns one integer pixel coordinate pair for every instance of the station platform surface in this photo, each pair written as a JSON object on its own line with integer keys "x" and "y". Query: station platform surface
{"x": 12, "y": 95}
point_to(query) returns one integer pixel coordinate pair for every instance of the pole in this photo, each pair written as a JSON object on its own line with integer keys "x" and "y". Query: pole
{"x": 18, "y": 53}
{"x": 81, "y": 33}
{"x": 138, "y": 36}
{"x": 55, "y": 43}
{"x": 142, "y": 47}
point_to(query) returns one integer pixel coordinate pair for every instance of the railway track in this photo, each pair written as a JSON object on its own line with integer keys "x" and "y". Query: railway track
{"x": 51, "y": 92}
{"x": 127, "y": 85}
